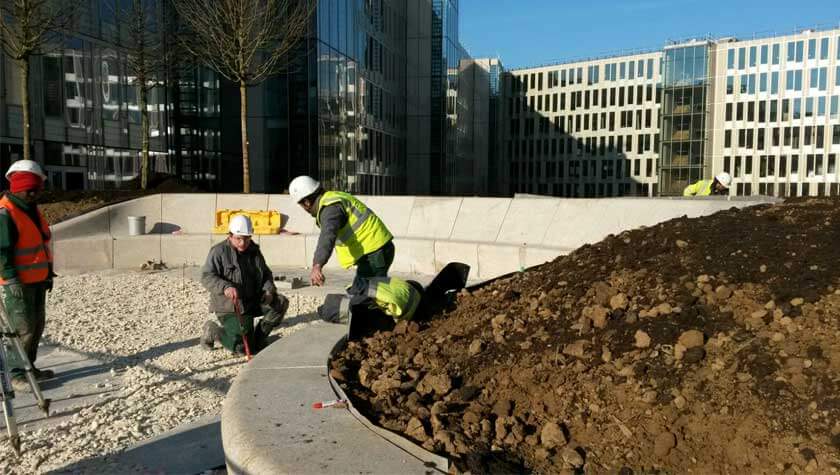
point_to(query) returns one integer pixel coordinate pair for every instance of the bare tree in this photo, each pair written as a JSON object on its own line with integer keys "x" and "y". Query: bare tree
{"x": 245, "y": 41}
{"x": 149, "y": 55}
{"x": 27, "y": 28}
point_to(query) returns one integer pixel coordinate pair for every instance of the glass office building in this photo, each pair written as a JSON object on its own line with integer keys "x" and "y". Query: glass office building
{"x": 339, "y": 112}
{"x": 685, "y": 91}
{"x": 85, "y": 118}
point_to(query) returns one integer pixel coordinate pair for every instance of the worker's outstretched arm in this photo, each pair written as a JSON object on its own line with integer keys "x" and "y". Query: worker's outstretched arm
{"x": 332, "y": 219}
{"x": 691, "y": 190}
{"x": 8, "y": 236}
{"x": 268, "y": 278}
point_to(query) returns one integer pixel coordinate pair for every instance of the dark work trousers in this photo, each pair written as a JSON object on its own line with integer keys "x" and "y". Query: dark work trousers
{"x": 375, "y": 264}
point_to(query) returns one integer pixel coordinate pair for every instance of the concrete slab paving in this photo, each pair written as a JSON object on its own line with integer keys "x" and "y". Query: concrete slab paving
{"x": 269, "y": 425}
{"x": 190, "y": 449}
{"x": 80, "y": 381}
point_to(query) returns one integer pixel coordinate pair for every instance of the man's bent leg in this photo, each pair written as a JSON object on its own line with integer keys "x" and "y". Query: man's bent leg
{"x": 375, "y": 264}
{"x": 273, "y": 315}
{"x": 231, "y": 336}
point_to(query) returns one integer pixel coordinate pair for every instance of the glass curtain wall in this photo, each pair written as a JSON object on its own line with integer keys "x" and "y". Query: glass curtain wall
{"x": 85, "y": 116}
{"x": 685, "y": 88}
{"x": 361, "y": 95}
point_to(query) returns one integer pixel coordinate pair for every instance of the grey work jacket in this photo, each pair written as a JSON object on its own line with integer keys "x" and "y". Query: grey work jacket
{"x": 221, "y": 270}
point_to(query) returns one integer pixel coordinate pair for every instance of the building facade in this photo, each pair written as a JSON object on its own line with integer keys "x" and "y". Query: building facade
{"x": 368, "y": 72}
{"x": 582, "y": 129}
{"x": 765, "y": 110}
{"x": 85, "y": 118}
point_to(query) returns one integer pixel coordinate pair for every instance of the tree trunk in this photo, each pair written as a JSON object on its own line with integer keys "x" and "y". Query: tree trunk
{"x": 24, "y": 94}
{"x": 243, "y": 110}
{"x": 144, "y": 132}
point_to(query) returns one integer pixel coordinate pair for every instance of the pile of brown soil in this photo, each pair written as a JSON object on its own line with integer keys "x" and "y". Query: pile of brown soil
{"x": 696, "y": 345}
{"x": 57, "y": 205}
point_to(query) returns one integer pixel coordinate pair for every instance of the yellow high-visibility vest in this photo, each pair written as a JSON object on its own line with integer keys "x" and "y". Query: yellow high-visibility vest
{"x": 363, "y": 233}
{"x": 396, "y": 297}
{"x": 701, "y": 188}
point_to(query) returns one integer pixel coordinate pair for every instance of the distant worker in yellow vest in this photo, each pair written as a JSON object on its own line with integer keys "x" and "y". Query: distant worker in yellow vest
{"x": 717, "y": 186}
{"x": 358, "y": 236}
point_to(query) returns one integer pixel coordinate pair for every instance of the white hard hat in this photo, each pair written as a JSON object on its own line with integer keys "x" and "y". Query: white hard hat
{"x": 303, "y": 186}
{"x": 240, "y": 225}
{"x": 724, "y": 179}
{"x": 26, "y": 166}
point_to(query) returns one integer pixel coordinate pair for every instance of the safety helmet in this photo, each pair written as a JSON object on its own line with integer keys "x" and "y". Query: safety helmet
{"x": 303, "y": 186}
{"x": 30, "y": 166}
{"x": 724, "y": 179}
{"x": 240, "y": 225}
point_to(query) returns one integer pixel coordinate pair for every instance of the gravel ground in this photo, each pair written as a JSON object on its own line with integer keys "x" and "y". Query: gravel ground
{"x": 145, "y": 328}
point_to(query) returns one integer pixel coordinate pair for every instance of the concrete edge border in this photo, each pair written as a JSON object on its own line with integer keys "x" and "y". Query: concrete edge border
{"x": 432, "y": 461}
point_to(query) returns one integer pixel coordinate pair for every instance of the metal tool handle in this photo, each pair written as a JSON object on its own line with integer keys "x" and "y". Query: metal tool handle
{"x": 242, "y": 328}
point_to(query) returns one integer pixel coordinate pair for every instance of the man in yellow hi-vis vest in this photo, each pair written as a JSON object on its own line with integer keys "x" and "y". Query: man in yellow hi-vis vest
{"x": 717, "y": 186}
{"x": 358, "y": 236}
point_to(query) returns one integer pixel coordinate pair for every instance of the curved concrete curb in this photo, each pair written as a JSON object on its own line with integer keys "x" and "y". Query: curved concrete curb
{"x": 269, "y": 426}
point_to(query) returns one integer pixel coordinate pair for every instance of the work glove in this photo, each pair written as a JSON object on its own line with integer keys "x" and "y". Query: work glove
{"x": 15, "y": 289}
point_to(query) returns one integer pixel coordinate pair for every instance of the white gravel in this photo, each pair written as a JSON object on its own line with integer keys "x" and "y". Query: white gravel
{"x": 145, "y": 327}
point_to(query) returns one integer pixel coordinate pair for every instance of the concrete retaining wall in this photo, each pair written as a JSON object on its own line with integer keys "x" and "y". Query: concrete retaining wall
{"x": 493, "y": 235}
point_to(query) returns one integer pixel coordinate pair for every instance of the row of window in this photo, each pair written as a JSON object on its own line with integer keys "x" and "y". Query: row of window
{"x": 588, "y": 146}
{"x": 771, "y": 54}
{"x": 769, "y": 111}
{"x": 793, "y": 137}
{"x": 584, "y": 99}
{"x": 770, "y": 81}
{"x": 771, "y": 166}
{"x": 625, "y": 70}
{"x": 637, "y": 119}
{"x": 587, "y": 190}
{"x": 619, "y": 169}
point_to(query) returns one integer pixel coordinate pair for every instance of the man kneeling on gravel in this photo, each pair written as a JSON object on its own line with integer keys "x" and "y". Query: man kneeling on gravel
{"x": 237, "y": 276}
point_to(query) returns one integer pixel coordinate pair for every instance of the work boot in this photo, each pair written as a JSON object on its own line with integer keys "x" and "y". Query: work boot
{"x": 20, "y": 384}
{"x": 43, "y": 374}
{"x": 210, "y": 334}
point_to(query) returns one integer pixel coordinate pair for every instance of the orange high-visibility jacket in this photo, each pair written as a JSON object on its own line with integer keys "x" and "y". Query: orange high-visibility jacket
{"x": 32, "y": 251}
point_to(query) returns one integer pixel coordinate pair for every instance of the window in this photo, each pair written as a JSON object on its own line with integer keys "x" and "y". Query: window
{"x": 727, "y": 138}
{"x": 837, "y": 76}
{"x": 835, "y": 102}
{"x": 835, "y": 136}
{"x": 650, "y": 68}
{"x": 797, "y": 108}
{"x": 782, "y": 166}
{"x": 824, "y": 48}
{"x": 728, "y": 112}
{"x": 742, "y": 58}
{"x": 764, "y": 52}
{"x": 812, "y": 48}
{"x": 794, "y": 81}
{"x": 744, "y": 84}
{"x": 753, "y": 56}
{"x": 762, "y": 82}
{"x": 730, "y": 84}
{"x": 730, "y": 58}
{"x": 821, "y": 106}
{"x": 774, "y": 116}
{"x": 776, "y": 53}
{"x": 832, "y": 164}
{"x": 751, "y": 85}
{"x": 774, "y": 82}
{"x": 622, "y": 70}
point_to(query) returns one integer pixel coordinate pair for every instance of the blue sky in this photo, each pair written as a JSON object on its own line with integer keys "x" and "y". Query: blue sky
{"x": 532, "y": 32}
